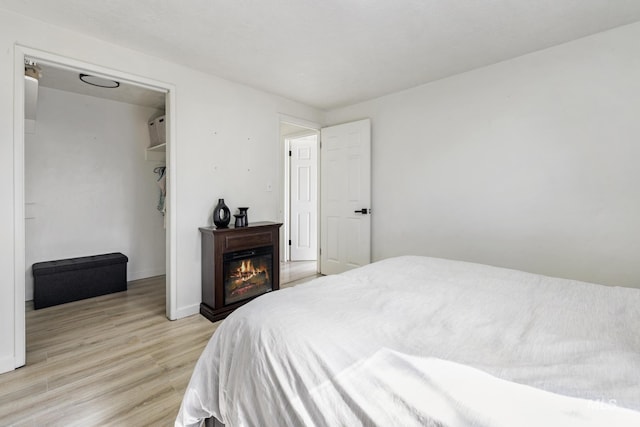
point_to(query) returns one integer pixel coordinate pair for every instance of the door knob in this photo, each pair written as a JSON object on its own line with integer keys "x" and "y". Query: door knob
{"x": 362, "y": 211}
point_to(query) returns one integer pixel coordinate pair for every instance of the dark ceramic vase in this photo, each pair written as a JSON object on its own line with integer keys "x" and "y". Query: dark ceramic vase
{"x": 221, "y": 215}
{"x": 243, "y": 211}
{"x": 239, "y": 220}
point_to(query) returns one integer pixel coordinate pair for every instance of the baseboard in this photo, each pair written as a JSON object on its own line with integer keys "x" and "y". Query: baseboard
{"x": 7, "y": 364}
{"x": 137, "y": 275}
{"x": 187, "y": 311}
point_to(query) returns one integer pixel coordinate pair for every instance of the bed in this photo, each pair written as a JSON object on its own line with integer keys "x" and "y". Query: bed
{"x": 416, "y": 341}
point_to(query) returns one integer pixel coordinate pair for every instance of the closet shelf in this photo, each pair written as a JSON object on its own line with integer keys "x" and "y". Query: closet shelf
{"x": 156, "y": 153}
{"x": 158, "y": 148}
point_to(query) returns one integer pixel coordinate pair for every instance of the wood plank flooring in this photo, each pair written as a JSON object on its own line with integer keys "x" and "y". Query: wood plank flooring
{"x": 293, "y": 271}
{"x": 111, "y": 360}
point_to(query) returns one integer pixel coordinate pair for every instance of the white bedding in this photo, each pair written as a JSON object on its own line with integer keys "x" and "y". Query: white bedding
{"x": 415, "y": 341}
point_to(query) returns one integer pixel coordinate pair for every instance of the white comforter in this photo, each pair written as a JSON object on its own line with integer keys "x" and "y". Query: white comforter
{"x": 415, "y": 341}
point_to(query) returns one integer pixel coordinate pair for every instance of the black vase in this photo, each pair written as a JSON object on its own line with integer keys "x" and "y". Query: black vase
{"x": 239, "y": 220}
{"x": 221, "y": 215}
{"x": 243, "y": 211}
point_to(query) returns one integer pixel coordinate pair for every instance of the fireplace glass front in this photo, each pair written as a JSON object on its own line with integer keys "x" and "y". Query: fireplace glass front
{"x": 247, "y": 274}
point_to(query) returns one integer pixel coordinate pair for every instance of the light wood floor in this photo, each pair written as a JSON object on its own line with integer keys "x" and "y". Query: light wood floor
{"x": 111, "y": 360}
{"x": 291, "y": 272}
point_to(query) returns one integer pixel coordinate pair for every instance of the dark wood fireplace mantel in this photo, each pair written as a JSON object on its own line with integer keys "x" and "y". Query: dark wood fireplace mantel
{"x": 216, "y": 242}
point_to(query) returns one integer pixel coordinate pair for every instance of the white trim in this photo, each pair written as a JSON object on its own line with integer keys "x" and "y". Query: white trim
{"x": 172, "y": 225}
{"x": 19, "y": 321}
{"x": 19, "y": 221}
{"x": 286, "y": 200}
{"x": 145, "y": 274}
{"x": 188, "y": 311}
{"x": 285, "y": 118}
{"x": 7, "y": 364}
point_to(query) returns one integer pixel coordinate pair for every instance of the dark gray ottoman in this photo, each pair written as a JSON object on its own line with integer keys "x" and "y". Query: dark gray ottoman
{"x": 66, "y": 280}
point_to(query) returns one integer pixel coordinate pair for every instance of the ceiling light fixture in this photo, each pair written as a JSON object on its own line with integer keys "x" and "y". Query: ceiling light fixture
{"x": 99, "y": 81}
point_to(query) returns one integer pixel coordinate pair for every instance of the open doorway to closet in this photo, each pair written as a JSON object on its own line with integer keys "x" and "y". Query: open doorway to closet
{"x": 94, "y": 170}
{"x": 301, "y": 208}
{"x": 24, "y": 208}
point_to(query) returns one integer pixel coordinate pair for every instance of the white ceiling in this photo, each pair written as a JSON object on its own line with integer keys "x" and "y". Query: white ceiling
{"x": 330, "y": 53}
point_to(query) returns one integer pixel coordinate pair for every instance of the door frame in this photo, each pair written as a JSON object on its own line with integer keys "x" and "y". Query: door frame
{"x": 20, "y": 53}
{"x": 284, "y": 196}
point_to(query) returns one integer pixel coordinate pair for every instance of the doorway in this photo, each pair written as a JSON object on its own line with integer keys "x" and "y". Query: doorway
{"x": 90, "y": 187}
{"x": 23, "y": 210}
{"x": 300, "y": 202}
{"x": 344, "y": 205}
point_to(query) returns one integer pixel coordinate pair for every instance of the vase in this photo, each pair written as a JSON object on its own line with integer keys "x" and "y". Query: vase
{"x": 239, "y": 220}
{"x": 243, "y": 211}
{"x": 221, "y": 215}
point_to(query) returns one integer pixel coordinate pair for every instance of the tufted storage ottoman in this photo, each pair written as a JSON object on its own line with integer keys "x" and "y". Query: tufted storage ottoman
{"x": 66, "y": 280}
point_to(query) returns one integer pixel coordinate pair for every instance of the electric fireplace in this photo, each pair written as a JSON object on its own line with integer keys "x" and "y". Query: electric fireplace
{"x": 247, "y": 274}
{"x": 238, "y": 264}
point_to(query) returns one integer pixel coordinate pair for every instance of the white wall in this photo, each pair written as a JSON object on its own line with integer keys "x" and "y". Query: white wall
{"x": 88, "y": 186}
{"x": 226, "y": 146}
{"x": 531, "y": 163}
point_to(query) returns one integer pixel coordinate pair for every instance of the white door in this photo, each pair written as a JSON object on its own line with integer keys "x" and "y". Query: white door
{"x": 345, "y": 224}
{"x": 304, "y": 198}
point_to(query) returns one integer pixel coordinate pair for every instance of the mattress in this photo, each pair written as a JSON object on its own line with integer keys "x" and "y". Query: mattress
{"x": 416, "y": 341}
